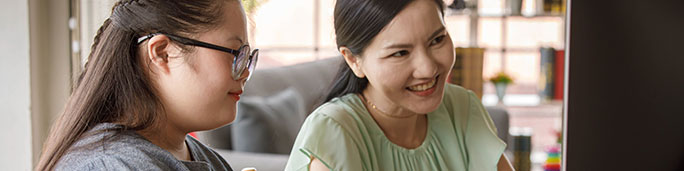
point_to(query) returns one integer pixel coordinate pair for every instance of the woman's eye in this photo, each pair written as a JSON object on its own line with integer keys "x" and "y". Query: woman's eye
{"x": 437, "y": 40}
{"x": 399, "y": 54}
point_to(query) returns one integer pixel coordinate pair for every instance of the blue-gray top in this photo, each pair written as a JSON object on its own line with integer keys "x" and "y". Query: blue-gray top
{"x": 100, "y": 149}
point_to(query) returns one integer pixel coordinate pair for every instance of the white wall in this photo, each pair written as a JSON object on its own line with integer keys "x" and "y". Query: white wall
{"x": 50, "y": 66}
{"x": 15, "y": 93}
{"x": 93, "y": 14}
{"x": 34, "y": 76}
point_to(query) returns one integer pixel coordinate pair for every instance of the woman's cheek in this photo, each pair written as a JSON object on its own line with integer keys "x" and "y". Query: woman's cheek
{"x": 445, "y": 56}
{"x": 397, "y": 76}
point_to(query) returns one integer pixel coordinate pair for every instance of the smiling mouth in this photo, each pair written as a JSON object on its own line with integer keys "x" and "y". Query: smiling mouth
{"x": 423, "y": 87}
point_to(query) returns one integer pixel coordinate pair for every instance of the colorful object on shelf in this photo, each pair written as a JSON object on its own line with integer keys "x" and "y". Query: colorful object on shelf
{"x": 553, "y": 161}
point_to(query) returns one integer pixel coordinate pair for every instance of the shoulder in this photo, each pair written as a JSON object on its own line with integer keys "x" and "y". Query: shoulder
{"x": 202, "y": 152}
{"x": 341, "y": 118}
{"x": 100, "y": 160}
{"x": 333, "y": 124}
{"x": 460, "y": 105}
{"x": 197, "y": 145}
{"x": 104, "y": 147}
{"x": 457, "y": 93}
{"x": 458, "y": 100}
{"x": 342, "y": 112}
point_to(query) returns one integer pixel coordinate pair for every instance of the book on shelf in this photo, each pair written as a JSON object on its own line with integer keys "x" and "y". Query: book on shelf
{"x": 559, "y": 75}
{"x": 546, "y": 71}
{"x": 467, "y": 70}
{"x": 552, "y": 74}
{"x": 552, "y": 6}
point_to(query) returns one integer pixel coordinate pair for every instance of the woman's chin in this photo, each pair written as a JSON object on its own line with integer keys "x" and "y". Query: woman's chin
{"x": 429, "y": 105}
{"x": 217, "y": 122}
{"x": 230, "y": 119}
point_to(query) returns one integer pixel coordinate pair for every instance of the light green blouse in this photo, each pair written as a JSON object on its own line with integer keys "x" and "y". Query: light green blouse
{"x": 343, "y": 136}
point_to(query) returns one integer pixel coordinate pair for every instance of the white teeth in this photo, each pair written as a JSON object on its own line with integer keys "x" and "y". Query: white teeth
{"x": 423, "y": 87}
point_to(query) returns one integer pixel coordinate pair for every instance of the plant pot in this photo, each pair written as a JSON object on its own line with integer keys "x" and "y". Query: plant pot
{"x": 500, "y": 91}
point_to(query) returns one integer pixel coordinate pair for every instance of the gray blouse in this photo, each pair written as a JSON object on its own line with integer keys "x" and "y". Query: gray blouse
{"x": 101, "y": 148}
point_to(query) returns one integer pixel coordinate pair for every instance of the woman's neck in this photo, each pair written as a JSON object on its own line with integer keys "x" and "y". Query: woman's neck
{"x": 402, "y": 127}
{"x": 168, "y": 138}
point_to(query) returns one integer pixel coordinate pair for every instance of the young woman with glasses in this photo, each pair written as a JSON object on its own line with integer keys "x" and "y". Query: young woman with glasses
{"x": 390, "y": 107}
{"x": 158, "y": 70}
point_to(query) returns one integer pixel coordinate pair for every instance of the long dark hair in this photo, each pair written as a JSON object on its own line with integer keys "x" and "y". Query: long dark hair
{"x": 115, "y": 87}
{"x": 357, "y": 22}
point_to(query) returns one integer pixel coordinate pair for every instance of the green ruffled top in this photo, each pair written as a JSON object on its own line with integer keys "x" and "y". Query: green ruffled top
{"x": 344, "y": 136}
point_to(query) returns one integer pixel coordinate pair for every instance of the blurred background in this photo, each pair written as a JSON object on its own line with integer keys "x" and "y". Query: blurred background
{"x": 623, "y": 91}
{"x": 497, "y": 40}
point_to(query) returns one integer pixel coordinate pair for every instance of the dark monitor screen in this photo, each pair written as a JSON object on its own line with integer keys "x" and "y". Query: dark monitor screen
{"x": 625, "y": 88}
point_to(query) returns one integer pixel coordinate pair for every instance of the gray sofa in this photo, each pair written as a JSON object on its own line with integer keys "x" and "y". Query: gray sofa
{"x": 272, "y": 109}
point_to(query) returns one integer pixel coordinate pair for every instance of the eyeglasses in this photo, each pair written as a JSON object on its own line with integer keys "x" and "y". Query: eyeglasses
{"x": 242, "y": 60}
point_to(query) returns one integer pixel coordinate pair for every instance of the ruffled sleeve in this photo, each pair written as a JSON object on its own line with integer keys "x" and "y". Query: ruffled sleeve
{"x": 484, "y": 148}
{"x": 323, "y": 137}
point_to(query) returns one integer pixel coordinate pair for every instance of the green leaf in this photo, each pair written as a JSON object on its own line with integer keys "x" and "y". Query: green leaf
{"x": 501, "y": 77}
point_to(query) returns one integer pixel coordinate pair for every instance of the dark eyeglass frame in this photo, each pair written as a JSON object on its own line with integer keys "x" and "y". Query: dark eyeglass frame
{"x": 239, "y": 65}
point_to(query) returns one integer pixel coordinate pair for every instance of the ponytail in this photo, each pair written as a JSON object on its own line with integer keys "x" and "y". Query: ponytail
{"x": 346, "y": 82}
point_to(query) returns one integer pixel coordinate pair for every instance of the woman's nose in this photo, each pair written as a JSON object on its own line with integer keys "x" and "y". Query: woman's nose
{"x": 425, "y": 66}
{"x": 245, "y": 74}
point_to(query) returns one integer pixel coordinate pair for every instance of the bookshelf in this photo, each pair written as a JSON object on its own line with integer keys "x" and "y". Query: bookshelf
{"x": 475, "y": 17}
{"x": 527, "y": 109}
{"x": 506, "y": 50}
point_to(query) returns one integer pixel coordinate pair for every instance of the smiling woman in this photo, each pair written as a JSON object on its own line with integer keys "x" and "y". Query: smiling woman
{"x": 390, "y": 107}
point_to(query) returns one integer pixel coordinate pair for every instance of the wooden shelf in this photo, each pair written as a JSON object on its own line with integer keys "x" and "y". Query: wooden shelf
{"x": 451, "y": 12}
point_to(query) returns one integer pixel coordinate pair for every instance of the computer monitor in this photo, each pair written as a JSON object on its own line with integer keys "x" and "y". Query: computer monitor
{"x": 625, "y": 85}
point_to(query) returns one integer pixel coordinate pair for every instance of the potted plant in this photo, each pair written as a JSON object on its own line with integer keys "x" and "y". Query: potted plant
{"x": 501, "y": 80}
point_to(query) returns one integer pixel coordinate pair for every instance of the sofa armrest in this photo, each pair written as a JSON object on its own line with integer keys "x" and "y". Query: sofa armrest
{"x": 501, "y": 121}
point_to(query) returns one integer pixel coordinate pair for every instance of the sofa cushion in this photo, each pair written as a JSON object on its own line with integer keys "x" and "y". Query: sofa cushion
{"x": 309, "y": 80}
{"x": 500, "y": 117}
{"x": 268, "y": 124}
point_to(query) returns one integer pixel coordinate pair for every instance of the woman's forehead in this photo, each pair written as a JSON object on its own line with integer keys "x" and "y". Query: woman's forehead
{"x": 417, "y": 21}
{"x": 234, "y": 21}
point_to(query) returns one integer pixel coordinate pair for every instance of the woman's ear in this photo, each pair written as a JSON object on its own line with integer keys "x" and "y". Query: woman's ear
{"x": 352, "y": 61}
{"x": 158, "y": 48}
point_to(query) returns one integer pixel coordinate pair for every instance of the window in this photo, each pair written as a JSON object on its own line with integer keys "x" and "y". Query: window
{"x": 512, "y": 44}
{"x": 291, "y": 32}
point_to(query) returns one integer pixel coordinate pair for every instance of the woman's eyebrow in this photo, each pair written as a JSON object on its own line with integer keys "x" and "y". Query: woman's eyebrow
{"x": 399, "y": 46}
{"x": 236, "y": 38}
{"x": 434, "y": 34}
{"x": 407, "y": 46}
